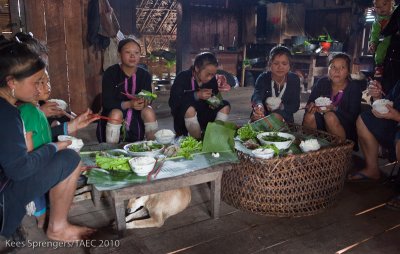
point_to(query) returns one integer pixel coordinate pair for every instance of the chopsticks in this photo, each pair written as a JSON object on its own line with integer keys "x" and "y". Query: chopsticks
{"x": 159, "y": 169}
{"x": 130, "y": 96}
{"x": 156, "y": 169}
{"x": 151, "y": 172}
{"x": 106, "y": 118}
{"x": 70, "y": 116}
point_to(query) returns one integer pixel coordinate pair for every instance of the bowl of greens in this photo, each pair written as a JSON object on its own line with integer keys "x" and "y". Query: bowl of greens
{"x": 281, "y": 140}
{"x": 144, "y": 148}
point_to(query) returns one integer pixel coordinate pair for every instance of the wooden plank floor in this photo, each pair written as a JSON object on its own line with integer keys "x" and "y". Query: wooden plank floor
{"x": 192, "y": 231}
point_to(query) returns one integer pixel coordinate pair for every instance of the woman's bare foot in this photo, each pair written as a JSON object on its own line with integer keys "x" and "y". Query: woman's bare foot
{"x": 70, "y": 233}
{"x": 365, "y": 174}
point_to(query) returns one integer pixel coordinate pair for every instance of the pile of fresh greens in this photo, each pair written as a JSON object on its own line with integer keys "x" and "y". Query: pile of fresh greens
{"x": 146, "y": 95}
{"x": 147, "y": 146}
{"x": 120, "y": 162}
{"x": 246, "y": 132}
{"x": 188, "y": 146}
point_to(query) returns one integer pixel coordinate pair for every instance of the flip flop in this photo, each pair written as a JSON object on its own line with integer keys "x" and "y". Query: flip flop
{"x": 358, "y": 177}
{"x": 394, "y": 203}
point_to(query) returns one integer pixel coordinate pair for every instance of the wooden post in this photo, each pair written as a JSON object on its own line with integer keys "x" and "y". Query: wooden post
{"x": 243, "y": 66}
{"x": 183, "y": 34}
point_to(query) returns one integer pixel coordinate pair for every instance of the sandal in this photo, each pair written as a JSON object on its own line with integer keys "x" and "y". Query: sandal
{"x": 360, "y": 177}
{"x": 394, "y": 203}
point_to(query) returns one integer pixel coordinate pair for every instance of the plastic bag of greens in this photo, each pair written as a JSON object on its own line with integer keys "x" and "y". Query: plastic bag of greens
{"x": 215, "y": 100}
{"x": 146, "y": 95}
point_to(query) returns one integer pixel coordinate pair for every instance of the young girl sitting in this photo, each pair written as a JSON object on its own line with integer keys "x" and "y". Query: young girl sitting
{"x": 38, "y": 133}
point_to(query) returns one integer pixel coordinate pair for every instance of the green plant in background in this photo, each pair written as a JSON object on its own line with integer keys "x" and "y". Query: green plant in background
{"x": 152, "y": 57}
{"x": 169, "y": 64}
{"x": 246, "y": 63}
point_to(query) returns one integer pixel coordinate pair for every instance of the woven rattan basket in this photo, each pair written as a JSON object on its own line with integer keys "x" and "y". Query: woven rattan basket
{"x": 296, "y": 185}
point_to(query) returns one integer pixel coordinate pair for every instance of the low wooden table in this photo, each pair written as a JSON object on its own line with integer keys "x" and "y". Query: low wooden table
{"x": 211, "y": 174}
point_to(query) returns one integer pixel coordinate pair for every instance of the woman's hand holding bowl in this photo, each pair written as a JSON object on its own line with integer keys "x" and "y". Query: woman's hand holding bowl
{"x": 392, "y": 113}
{"x": 311, "y": 108}
{"x": 204, "y": 93}
{"x": 61, "y": 145}
{"x": 51, "y": 109}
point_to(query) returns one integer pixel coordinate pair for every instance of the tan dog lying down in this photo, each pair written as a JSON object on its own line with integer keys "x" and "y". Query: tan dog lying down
{"x": 159, "y": 207}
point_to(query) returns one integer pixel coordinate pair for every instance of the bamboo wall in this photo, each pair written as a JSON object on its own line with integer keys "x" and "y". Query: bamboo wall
{"x": 74, "y": 68}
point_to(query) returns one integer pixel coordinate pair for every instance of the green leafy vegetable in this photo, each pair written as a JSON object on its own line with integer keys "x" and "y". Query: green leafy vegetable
{"x": 271, "y": 146}
{"x": 188, "y": 146}
{"x": 145, "y": 147}
{"x": 246, "y": 132}
{"x": 275, "y": 138}
{"x": 147, "y": 95}
{"x": 113, "y": 163}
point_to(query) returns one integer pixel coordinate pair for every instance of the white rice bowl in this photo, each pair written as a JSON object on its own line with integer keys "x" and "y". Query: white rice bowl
{"x": 274, "y": 102}
{"x": 164, "y": 136}
{"x": 61, "y": 104}
{"x": 76, "y": 145}
{"x": 323, "y": 102}
{"x": 142, "y": 165}
{"x": 309, "y": 145}
{"x": 380, "y": 105}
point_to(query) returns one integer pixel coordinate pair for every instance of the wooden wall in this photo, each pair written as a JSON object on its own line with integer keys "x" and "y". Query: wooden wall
{"x": 335, "y": 18}
{"x": 126, "y": 15}
{"x": 74, "y": 68}
{"x": 210, "y": 27}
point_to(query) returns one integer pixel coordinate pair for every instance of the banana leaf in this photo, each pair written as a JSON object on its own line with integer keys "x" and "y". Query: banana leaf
{"x": 111, "y": 180}
{"x": 219, "y": 137}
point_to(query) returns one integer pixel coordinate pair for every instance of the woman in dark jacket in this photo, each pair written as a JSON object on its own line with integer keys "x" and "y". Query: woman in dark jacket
{"x": 279, "y": 85}
{"x": 50, "y": 168}
{"x": 339, "y": 118}
{"x": 189, "y": 94}
{"x": 121, "y": 82}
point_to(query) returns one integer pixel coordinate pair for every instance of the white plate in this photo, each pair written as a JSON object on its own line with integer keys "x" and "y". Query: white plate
{"x": 279, "y": 145}
{"x": 152, "y": 153}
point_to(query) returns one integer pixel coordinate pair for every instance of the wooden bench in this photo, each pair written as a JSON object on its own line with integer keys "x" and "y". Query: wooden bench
{"x": 119, "y": 197}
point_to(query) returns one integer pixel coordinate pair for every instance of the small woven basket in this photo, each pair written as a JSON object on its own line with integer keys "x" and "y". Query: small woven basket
{"x": 292, "y": 186}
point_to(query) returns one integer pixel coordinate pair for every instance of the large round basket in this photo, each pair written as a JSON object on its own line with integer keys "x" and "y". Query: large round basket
{"x": 295, "y": 185}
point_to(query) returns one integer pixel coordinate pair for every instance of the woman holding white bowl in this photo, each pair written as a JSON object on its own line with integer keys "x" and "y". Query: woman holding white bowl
{"x": 340, "y": 116}
{"x": 277, "y": 91}
{"x": 374, "y": 129}
{"x": 25, "y": 175}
